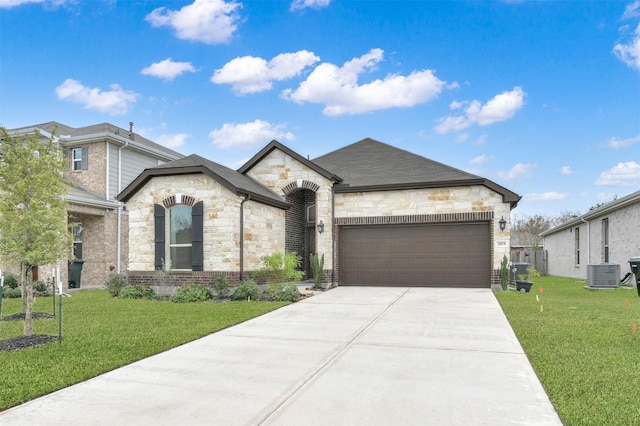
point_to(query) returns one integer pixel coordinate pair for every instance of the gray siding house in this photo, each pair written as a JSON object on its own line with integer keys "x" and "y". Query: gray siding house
{"x": 380, "y": 216}
{"x": 609, "y": 234}
{"x": 102, "y": 160}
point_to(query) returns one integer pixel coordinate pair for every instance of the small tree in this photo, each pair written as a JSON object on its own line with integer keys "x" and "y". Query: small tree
{"x": 33, "y": 216}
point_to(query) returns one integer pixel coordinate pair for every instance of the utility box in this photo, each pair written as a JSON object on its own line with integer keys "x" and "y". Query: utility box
{"x": 518, "y": 269}
{"x": 603, "y": 275}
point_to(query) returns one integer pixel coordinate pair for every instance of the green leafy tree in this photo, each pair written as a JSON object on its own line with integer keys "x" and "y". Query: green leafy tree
{"x": 33, "y": 217}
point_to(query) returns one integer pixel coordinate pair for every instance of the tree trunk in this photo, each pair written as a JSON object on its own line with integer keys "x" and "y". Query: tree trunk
{"x": 27, "y": 299}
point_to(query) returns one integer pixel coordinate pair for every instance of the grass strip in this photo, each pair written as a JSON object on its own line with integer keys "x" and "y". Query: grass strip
{"x": 101, "y": 333}
{"x": 583, "y": 346}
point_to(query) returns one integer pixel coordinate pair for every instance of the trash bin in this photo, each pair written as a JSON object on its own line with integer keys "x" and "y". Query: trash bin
{"x": 634, "y": 263}
{"x": 75, "y": 273}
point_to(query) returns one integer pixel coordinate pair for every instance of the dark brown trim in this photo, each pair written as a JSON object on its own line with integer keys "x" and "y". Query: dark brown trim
{"x": 148, "y": 174}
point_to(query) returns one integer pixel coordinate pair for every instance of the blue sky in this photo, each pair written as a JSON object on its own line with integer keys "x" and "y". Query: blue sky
{"x": 542, "y": 97}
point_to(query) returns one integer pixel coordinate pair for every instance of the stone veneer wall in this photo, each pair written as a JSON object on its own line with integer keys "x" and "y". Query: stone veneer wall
{"x": 278, "y": 171}
{"x": 455, "y": 204}
{"x": 263, "y": 229}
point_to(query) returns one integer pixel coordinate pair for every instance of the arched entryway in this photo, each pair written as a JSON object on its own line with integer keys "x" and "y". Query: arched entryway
{"x": 300, "y": 221}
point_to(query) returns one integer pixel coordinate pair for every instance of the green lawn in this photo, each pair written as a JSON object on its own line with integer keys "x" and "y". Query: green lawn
{"x": 101, "y": 333}
{"x": 582, "y": 346}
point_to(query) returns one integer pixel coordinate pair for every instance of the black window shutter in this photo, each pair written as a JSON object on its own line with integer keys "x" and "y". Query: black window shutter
{"x": 159, "y": 218}
{"x": 85, "y": 158}
{"x": 197, "y": 258}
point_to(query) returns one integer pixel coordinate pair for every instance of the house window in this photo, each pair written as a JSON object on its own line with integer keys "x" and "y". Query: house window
{"x": 76, "y": 249}
{"x": 79, "y": 158}
{"x": 577, "y": 245}
{"x": 180, "y": 236}
{"x": 605, "y": 240}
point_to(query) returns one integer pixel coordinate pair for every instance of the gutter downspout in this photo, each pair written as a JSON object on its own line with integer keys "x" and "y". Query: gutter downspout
{"x": 588, "y": 239}
{"x": 119, "y": 233}
{"x": 333, "y": 236}
{"x": 247, "y": 198}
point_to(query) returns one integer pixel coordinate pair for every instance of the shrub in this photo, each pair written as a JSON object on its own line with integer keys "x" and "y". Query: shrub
{"x": 191, "y": 293}
{"x": 221, "y": 286}
{"x": 317, "y": 266}
{"x": 533, "y": 272}
{"x": 279, "y": 267}
{"x": 115, "y": 283}
{"x": 246, "y": 290}
{"x": 11, "y": 281}
{"x": 504, "y": 272}
{"x": 11, "y": 293}
{"x": 40, "y": 286}
{"x": 285, "y": 292}
{"x": 136, "y": 292}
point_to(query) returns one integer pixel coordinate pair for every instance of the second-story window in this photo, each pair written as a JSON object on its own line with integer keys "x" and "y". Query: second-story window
{"x": 79, "y": 159}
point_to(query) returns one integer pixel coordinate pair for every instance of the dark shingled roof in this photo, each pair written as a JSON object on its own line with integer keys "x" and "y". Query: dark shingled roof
{"x": 369, "y": 165}
{"x": 234, "y": 181}
{"x": 62, "y": 130}
{"x": 373, "y": 163}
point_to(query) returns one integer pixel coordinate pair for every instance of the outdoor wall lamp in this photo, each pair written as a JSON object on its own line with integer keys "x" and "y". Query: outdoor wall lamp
{"x": 321, "y": 227}
{"x": 502, "y": 223}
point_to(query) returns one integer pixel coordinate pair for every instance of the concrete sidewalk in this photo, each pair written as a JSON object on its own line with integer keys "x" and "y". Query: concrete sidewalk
{"x": 349, "y": 356}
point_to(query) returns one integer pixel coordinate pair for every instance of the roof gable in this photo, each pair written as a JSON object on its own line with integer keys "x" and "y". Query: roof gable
{"x": 274, "y": 144}
{"x": 194, "y": 164}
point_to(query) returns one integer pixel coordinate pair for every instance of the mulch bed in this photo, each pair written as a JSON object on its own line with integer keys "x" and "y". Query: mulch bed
{"x": 26, "y": 342}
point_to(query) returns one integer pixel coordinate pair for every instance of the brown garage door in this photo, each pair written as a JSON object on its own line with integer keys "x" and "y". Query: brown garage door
{"x": 442, "y": 255}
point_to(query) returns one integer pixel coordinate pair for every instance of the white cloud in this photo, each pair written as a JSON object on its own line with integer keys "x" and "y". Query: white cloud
{"x": 632, "y": 10}
{"x": 615, "y": 143}
{"x": 248, "y": 135}
{"x": 337, "y": 87}
{"x": 481, "y": 159}
{"x": 629, "y": 53}
{"x": 208, "y": 21}
{"x": 249, "y": 74}
{"x": 545, "y": 196}
{"x": 501, "y": 107}
{"x": 314, "y": 4}
{"x": 622, "y": 174}
{"x": 168, "y": 69}
{"x": 520, "y": 169}
{"x": 566, "y": 170}
{"x": 172, "y": 141}
{"x": 115, "y": 101}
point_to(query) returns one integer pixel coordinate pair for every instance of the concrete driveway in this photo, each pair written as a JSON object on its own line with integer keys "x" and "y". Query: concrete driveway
{"x": 349, "y": 356}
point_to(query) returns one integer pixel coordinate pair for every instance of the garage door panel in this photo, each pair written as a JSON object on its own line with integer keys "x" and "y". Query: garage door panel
{"x": 439, "y": 255}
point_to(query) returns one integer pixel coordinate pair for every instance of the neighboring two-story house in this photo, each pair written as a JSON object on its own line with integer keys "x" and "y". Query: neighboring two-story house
{"x": 102, "y": 160}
